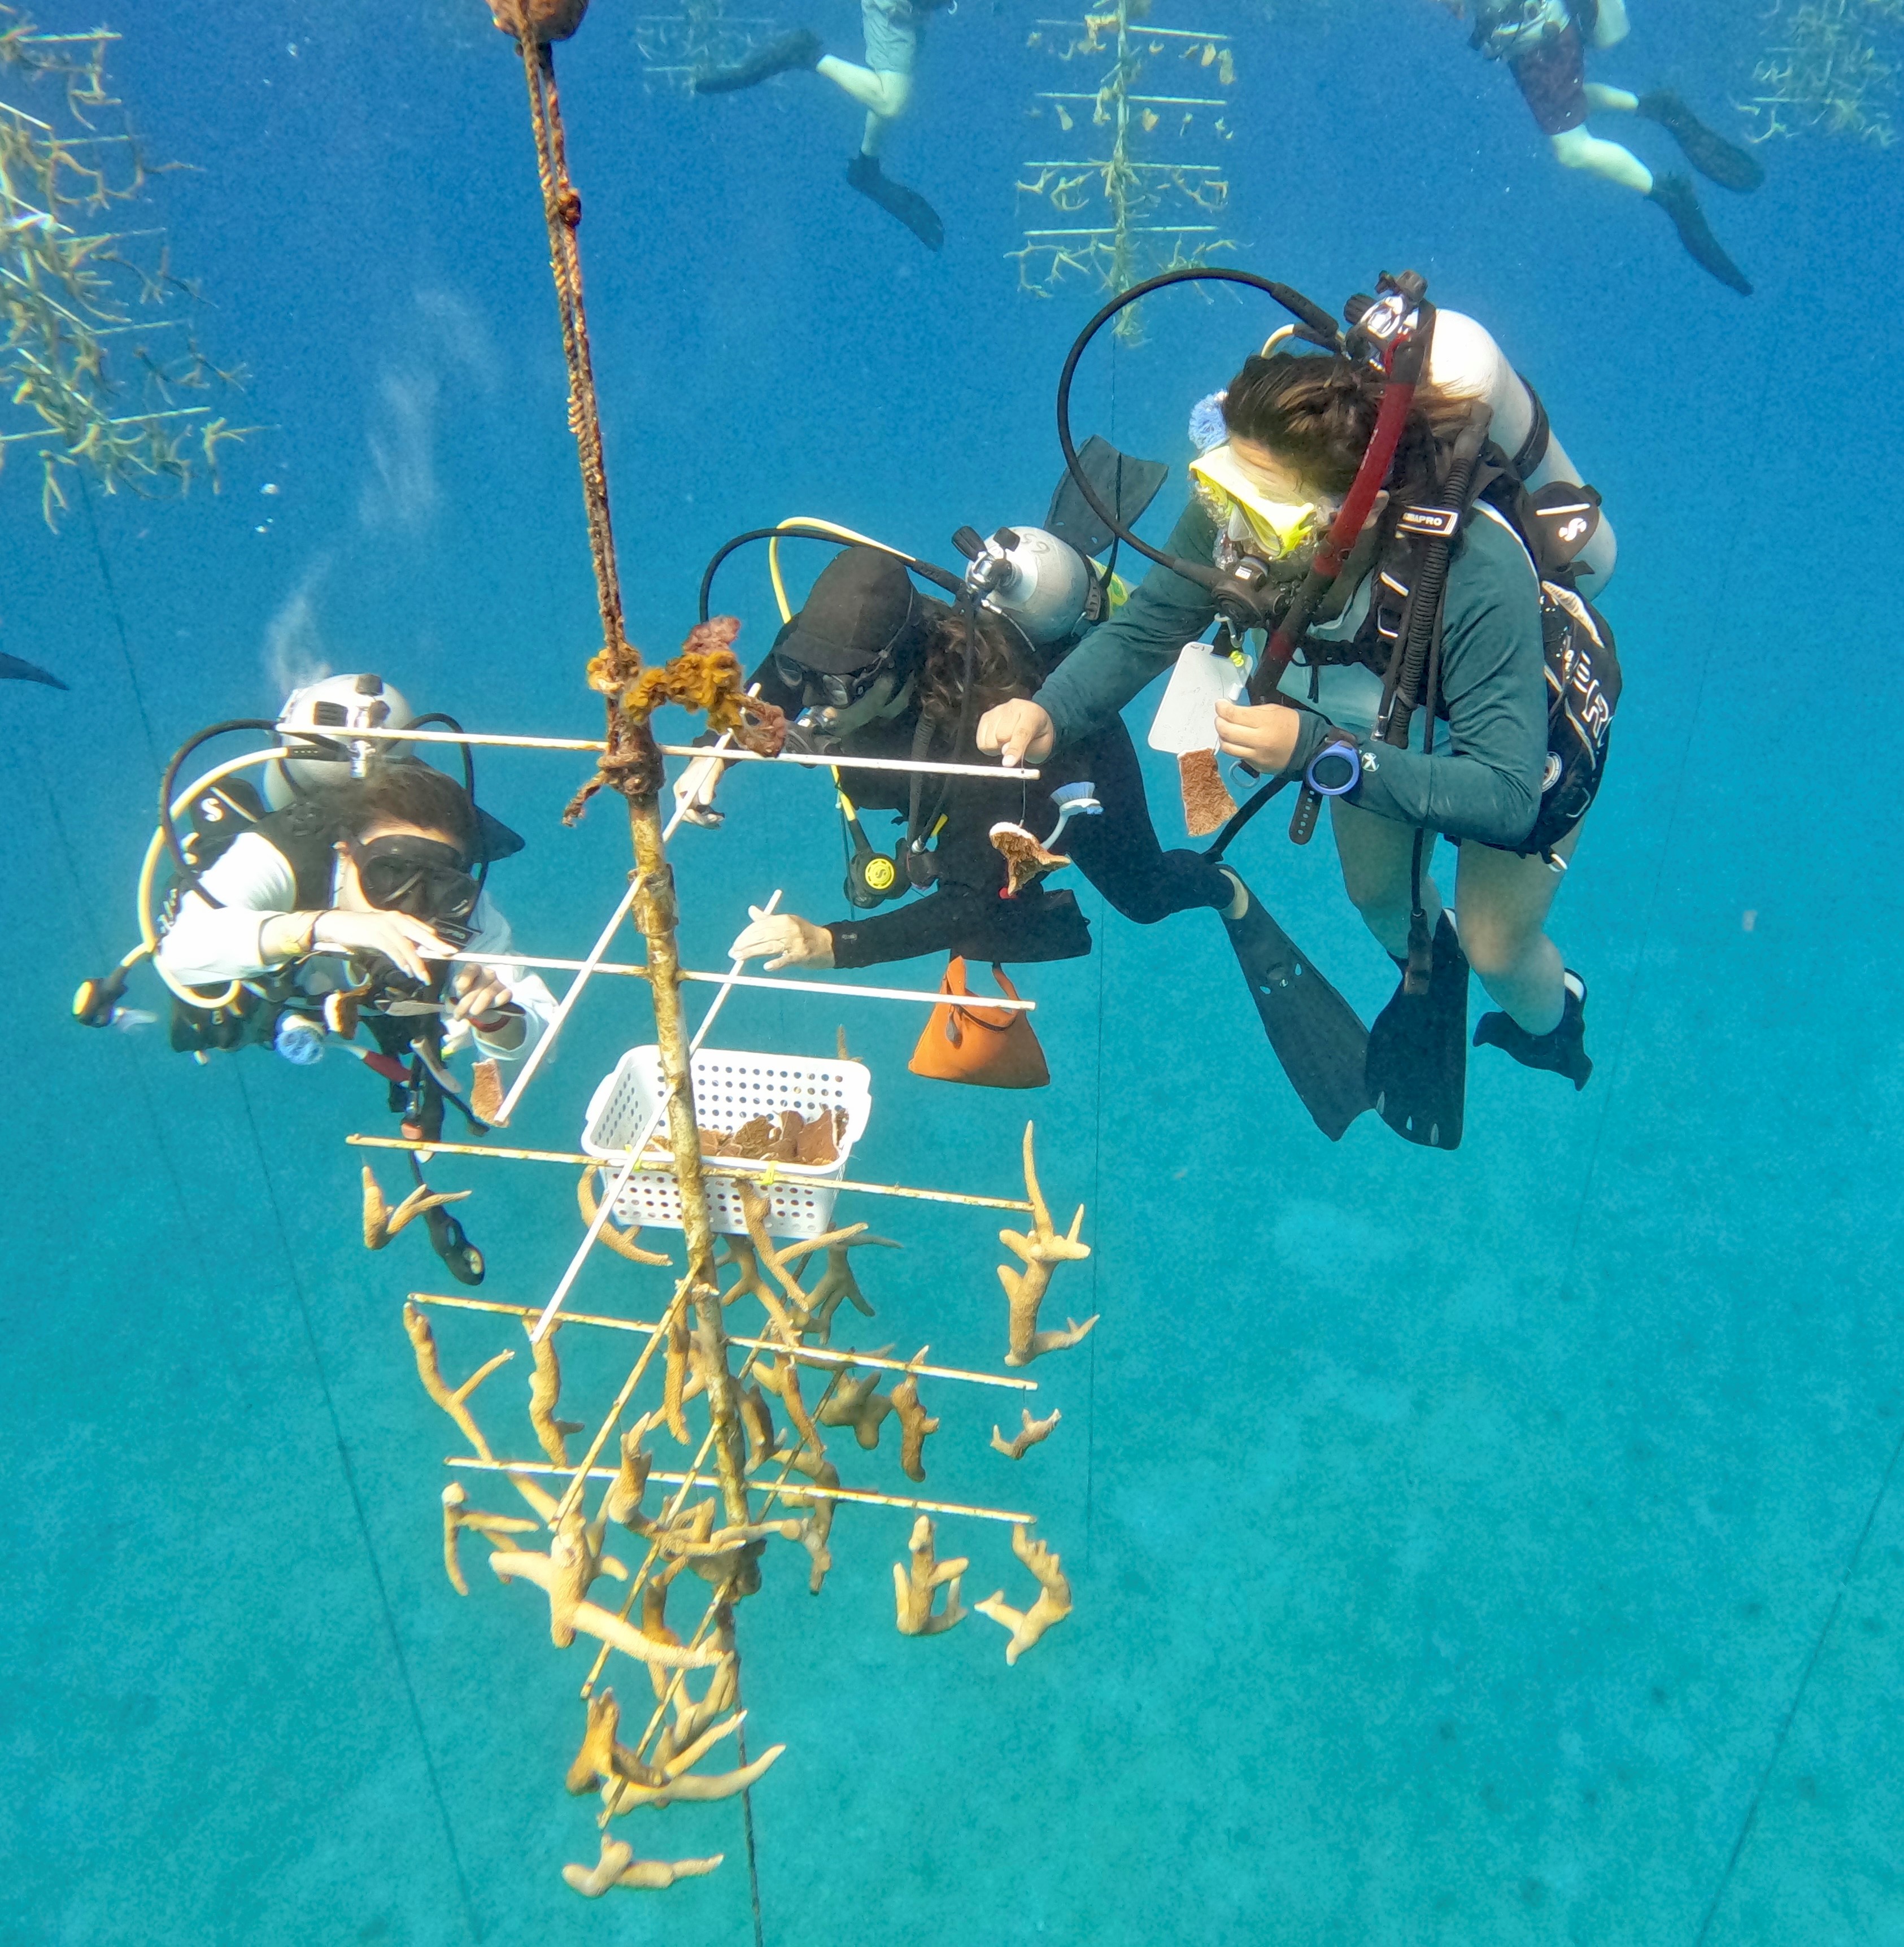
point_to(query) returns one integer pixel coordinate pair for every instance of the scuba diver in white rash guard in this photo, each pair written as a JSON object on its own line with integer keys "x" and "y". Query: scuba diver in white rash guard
{"x": 330, "y": 906}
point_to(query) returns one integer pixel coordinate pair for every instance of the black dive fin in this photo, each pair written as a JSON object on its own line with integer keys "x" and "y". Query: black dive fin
{"x": 866, "y": 175}
{"x": 1125, "y": 485}
{"x": 461, "y": 1258}
{"x": 1716, "y": 158}
{"x": 12, "y": 669}
{"x": 1417, "y": 1073}
{"x": 1563, "y": 1052}
{"x": 1316, "y": 1035}
{"x": 1674, "y": 195}
{"x": 801, "y": 49}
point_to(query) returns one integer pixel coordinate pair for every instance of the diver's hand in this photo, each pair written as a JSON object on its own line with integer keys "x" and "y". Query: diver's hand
{"x": 1265, "y": 734}
{"x": 694, "y": 791}
{"x": 488, "y": 1005}
{"x": 796, "y": 942}
{"x": 406, "y": 942}
{"x": 1020, "y": 732}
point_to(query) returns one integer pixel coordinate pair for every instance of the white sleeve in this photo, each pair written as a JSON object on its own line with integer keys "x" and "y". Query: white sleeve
{"x": 529, "y": 990}
{"x": 208, "y": 945}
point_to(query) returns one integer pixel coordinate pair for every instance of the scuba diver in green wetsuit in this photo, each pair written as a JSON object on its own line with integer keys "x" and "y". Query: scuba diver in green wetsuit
{"x": 1543, "y": 43}
{"x": 882, "y": 87}
{"x": 1455, "y": 604}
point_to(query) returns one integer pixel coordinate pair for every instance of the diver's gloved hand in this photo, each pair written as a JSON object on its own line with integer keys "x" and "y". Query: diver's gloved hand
{"x": 694, "y": 792}
{"x": 406, "y": 942}
{"x": 1020, "y": 732}
{"x": 795, "y": 942}
{"x": 487, "y": 1005}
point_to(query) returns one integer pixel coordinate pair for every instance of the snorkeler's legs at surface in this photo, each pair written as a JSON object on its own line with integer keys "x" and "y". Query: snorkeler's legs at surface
{"x": 1117, "y": 850}
{"x": 1575, "y": 149}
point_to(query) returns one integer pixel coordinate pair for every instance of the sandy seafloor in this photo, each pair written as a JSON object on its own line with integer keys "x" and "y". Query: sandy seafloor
{"x": 1497, "y": 1547}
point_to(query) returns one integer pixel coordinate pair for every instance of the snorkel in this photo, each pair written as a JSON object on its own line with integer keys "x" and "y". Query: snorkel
{"x": 1393, "y": 328}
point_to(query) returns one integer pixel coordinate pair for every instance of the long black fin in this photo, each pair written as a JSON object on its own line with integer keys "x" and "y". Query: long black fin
{"x": 1126, "y": 485}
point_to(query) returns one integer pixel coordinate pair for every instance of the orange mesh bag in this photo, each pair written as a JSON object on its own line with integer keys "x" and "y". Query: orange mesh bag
{"x": 988, "y": 1047}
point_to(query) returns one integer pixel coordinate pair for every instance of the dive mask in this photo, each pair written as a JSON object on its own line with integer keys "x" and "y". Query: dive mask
{"x": 1272, "y": 528}
{"x": 402, "y": 872}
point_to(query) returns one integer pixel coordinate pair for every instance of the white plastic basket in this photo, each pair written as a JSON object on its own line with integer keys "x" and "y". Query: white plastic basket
{"x": 731, "y": 1086}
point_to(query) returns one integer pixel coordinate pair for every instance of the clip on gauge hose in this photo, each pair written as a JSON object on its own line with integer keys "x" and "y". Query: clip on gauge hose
{"x": 1335, "y": 770}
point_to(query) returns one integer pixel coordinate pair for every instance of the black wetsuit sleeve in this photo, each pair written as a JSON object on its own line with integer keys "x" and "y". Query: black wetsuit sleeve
{"x": 1483, "y": 780}
{"x": 1139, "y": 641}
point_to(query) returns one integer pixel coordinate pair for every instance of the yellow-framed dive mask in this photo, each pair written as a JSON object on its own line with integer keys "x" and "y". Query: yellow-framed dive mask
{"x": 1277, "y": 527}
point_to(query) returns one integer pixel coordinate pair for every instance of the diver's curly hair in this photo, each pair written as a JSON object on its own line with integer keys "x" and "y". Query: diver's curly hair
{"x": 1000, "y": 667}
{"x": 1317, "y": 412}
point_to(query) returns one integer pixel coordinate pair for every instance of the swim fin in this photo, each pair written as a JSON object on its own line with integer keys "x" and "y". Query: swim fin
{"x": 1417, "y": 1074}
{"x": 866, "y": 175}
{"x": 1716, "y": 158}
{"x": 1674, "y": 195}
{"x": 1316, "y": 1035}
{"x": 801, "y": 49}
{"x": 1561, "y": 1051}
{"x": 461, "y": 1258}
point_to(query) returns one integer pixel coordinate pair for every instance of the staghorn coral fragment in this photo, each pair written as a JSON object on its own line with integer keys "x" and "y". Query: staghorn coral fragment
{"x": 757, "y": 1422}
{"x": 674, "y": 1377}
{"x": 916, "y": 1584}
{"x": 816, "y": 1530}
{"x": 856, "y": 1403}
{"x": 458, "y": 1515}
{"x": 914, "y": 1425}
{"x": 560, "y": 1576}
{"x": 618, "y": 1867}
{"x": 836, "y": 1283}
{"x": 545, "y": 1392}
{"x": 429, "y": 1370}
{"x": 1044, "y": 1249}
{"x": 622, "y": 1243}
{"x": 622, "y": 1503}
{"x": 780, "y": 1375}
{"x": 1026, "y": 860}
{"x": 740, "y": 1256}
{"x": 381, "y": 1223}
{"x": 620, "y": 1795}
{"x": 1028, "y": 1436}
{"x": 790, "y": 1324}
{"x": 1054, "y": 1602}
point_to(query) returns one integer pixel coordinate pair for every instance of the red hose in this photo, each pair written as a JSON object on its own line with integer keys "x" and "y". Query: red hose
{"x": 1391, "y": 418}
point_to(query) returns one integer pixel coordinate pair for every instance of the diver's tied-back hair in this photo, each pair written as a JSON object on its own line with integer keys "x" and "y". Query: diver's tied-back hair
{"x": 1316, "y": 412}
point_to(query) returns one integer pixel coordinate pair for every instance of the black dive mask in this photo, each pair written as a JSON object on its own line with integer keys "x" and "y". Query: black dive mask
{"x": 423, "y": 877}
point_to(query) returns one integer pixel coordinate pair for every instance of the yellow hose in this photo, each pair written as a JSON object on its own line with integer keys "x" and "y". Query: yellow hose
{"x": 826, "y": 528}
{"x": 149, "y": 873}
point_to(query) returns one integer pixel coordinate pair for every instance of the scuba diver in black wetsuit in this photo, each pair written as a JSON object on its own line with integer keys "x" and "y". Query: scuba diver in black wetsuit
{"x": 870, "y": 667}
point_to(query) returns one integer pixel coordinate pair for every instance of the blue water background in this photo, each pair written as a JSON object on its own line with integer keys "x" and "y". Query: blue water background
{"x": 1474, "y": 1549}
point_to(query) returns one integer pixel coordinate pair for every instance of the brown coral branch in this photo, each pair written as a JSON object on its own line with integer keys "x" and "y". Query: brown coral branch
{"x": 545, "y": 1393}
{"x": 914, "y": 1425}
{"x": 1044, "y": 1249}
{"x": 622, "y": 1243}
{"x": 618, "y": 1867}
{"x": 458, "y": 1515}
{"x": 430, "y": 1371}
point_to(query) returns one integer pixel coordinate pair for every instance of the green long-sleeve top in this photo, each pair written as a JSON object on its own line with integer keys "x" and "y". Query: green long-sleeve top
{"x": 1483, "y": 780}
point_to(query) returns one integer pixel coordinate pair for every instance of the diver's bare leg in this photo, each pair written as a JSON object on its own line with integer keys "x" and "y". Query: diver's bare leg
{"x": 1575, "y": 149}
{"x": 1377, "y": 857}
{"x": 1503, "y": 900}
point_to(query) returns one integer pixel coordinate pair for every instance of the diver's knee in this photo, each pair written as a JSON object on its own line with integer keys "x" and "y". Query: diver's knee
{"x": 1573, "y": 148}
{"x": 1494, "y": 952}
